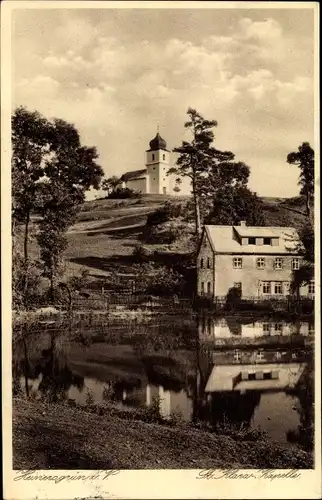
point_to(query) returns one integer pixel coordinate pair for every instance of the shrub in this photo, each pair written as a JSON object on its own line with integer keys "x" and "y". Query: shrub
{"x": 122, "y": 193}
{"x": 140, "y": 254}
{"x": 165, "y": 213}
{"x": 233, "y": 297}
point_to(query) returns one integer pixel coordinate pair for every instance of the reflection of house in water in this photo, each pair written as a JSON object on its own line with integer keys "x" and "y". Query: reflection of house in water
{"x": 216, "y": 328}
{"x": 243, "y": 385}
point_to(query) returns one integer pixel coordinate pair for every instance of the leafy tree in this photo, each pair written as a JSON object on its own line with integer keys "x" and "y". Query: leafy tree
{"x": 304, "y": 159}
{"x": 111, "y": 184}
{"x": 30, "y": 149}
{"x": 233, "y": 204}
{"x": 305, "y": 248}
{"x": 51, "y": 172}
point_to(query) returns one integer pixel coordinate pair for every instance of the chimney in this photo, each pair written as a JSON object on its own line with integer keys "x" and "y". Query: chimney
{"x": 242, "y": 223}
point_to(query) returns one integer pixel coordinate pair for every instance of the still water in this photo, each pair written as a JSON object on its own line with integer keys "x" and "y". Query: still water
{"x": 255, "y": 374}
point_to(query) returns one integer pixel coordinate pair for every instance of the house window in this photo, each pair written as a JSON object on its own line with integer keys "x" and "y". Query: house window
{"x": 202, "y": 287}
{"x": 278, "y": 263}
{"x": 152, "y": 157}
{"x": 267, "y": 241}
{"x": 201, "y": 263}
{"x": 237, "y": 356}
{"x": 260, "y": 263}
{"x": 237, "y": 263}
{"x": 266, "y": 287}
{"x": 208, "y": 287}
{"x": 252, "y": 241}
{"x": 295, "y": 264}
{"x": 278, "y": 355}
{"x": 266, "y": 328}
{"x": 311, "y": 289}
{"x": 259, "y": 356}
{"x": 278, "y": 287}
{"x": 208, "y": 263}
{"x": 278, "y": 327}
{"x": 164, "y": 157}
{"x": 238, "y": 285}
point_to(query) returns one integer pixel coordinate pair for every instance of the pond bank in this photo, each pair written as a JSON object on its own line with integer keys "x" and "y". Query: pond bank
{"x": 60, "y": 436}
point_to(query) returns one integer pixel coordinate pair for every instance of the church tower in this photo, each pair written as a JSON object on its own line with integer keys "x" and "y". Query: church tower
{"x": 157, "y": 166}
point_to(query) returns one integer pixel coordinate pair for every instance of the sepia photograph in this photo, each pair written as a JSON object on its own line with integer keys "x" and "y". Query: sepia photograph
{"x": 162, "y": 202}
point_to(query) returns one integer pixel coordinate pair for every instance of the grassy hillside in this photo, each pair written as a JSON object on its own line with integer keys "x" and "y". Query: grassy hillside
{"x": 107, "y": 231}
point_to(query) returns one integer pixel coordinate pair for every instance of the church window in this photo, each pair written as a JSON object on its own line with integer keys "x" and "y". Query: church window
{"x": 152, "y": 157}
{"x": 164, "y": 157}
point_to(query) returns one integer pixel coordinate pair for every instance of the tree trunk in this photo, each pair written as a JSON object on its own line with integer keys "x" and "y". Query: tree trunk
{"x": 309, "y": 209}
{"x": 27, "y": 366}
{"x": 26, "y": 236}
{"x": 25, "y": 253}
{"x": 197, "y": 208}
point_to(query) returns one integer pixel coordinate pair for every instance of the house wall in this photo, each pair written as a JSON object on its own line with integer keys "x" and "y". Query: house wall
{"x": 139, "y": 185}
{"x": 204, "y": 274}
{"x": 249, "y": 276}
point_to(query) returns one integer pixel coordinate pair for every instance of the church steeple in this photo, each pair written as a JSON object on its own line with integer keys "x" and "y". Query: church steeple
{"x": 158, "y": 143}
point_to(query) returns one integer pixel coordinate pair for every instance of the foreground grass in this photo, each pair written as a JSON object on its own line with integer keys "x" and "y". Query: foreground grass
{"x": 58, "y": 436}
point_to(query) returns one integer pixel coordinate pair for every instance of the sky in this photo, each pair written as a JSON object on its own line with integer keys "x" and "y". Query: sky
{"x": 117, "y": 74}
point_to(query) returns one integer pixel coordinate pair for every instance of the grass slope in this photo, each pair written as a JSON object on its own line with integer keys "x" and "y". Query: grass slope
{"x": 47, "y": 436}
{"x": 112, "y": 228}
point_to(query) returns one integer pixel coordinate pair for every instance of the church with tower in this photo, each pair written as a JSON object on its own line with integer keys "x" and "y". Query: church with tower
{"x": 153, "y": 179}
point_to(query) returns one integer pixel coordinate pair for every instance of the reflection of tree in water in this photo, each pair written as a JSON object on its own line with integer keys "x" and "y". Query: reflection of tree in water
{"x": 57, "y": 377}
{"x": 118, "y": 388}
{"x": 51, "y": 365}
{"x": 230, "y": 407}
{"x": 234, "y": 325}
{"x": 304, "y": 391}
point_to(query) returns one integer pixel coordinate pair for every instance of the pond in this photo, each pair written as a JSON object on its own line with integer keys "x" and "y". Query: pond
{"x": 255, "y": 374}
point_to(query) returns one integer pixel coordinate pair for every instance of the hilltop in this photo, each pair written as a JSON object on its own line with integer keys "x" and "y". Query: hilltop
{"x": 107, "y": 229}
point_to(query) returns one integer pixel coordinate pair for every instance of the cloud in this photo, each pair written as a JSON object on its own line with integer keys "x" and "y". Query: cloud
{"x": 116, "y": 89}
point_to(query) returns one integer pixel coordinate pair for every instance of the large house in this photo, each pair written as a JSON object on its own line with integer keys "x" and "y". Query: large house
{"x": 257, "y": 260}
{"x": 154, "y": 178}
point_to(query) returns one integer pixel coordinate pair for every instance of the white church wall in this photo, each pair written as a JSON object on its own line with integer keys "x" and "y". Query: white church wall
{"x": 138, "y": 185}
{"x": 159, "y": 156}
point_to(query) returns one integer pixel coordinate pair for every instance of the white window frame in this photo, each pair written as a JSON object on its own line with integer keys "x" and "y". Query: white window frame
{"x": 278, "y": 264}
{"x": 280, "y": 284}
{"x": 310, "y": 286}
{"x": 278, "y": 328}
{"x": 295, "y": 264}
{"x": 266, "y": 328}
{"x": 264, "y": 284}
{"x": 260, "y": 263}
{"x": 237, "y": 263}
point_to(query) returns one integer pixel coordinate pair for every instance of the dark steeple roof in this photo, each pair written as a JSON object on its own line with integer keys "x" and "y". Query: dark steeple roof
{"x": 158, "y": 143}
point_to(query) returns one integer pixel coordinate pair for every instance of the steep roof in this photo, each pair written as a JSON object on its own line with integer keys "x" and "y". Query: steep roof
{"x": 227, "y": 239}
{"x": 133, "y": 174}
